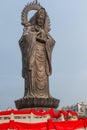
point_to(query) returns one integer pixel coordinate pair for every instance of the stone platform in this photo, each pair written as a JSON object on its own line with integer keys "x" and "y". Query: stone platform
{"x": 30, "y": 102}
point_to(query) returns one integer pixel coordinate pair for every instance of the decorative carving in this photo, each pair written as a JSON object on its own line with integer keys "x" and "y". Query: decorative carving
{"x": 36, "y": 46}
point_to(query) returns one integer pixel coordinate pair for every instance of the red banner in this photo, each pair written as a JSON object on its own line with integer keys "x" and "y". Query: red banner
{"x": 50, "y": 125}
{"x": 39, "y": 112}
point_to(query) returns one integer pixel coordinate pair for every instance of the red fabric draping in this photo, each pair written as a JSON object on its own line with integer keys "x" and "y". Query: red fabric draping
{"x": 40, "y": 112}
{"x": 69, "y": 125}
{"x": 23, "y": 126}
{"x": 50, "y": 125}
{"x": 72, "y": 113}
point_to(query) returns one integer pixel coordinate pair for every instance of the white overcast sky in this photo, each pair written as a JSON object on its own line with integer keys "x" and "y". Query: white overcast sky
{"x": 69, "y": 61}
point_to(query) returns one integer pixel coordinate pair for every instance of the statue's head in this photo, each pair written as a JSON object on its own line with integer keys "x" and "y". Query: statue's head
{"x": 40, "y": 17}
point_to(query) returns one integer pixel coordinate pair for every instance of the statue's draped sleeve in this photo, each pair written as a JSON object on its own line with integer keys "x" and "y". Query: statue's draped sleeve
{"x": 49, "y": 47}
{"x": 27, "y": 45}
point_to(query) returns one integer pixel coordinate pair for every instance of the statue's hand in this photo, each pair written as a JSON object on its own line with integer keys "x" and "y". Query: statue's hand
{"x": 41, "y": 36}
{"x": 42, "y": 40}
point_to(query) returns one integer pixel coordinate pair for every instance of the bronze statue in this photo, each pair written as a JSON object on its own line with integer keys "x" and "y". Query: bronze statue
{"x": 36, "y": 46}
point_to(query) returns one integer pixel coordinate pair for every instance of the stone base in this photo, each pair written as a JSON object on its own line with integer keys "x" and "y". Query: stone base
{"x": 31, "y": 102}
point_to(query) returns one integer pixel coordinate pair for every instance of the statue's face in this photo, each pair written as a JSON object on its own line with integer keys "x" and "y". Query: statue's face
{"x": 41, "y": 17}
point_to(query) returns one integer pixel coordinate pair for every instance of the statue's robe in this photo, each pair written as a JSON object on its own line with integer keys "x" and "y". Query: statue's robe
{"x": 36, "y": 63}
